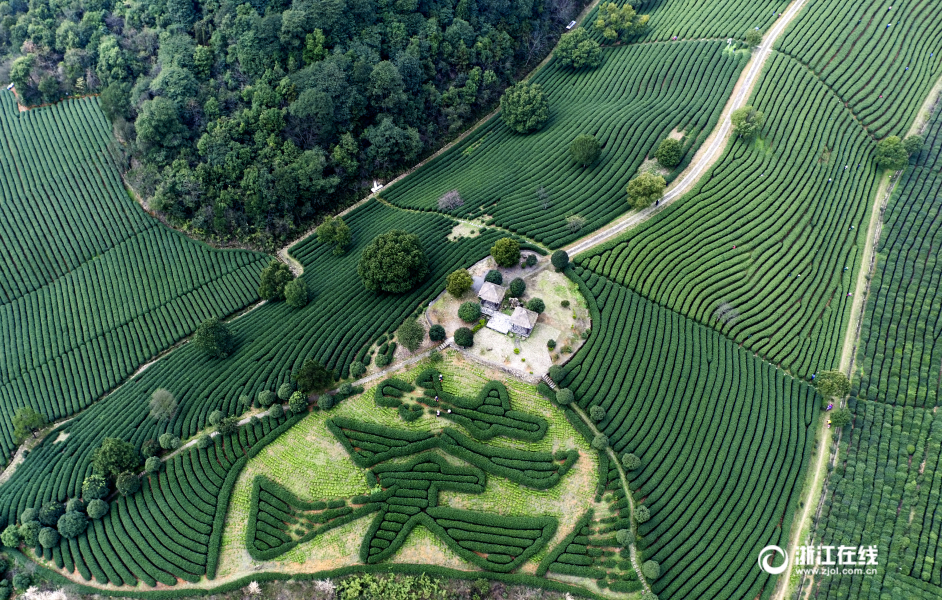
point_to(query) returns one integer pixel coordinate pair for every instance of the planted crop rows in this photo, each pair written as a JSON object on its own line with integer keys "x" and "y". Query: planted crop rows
{"x": 634, "y": 100}
{"x": 723, "y": 438}
{"x": 90, "y": 286}
{"x": 900, "y": 353}
{"x": 766, "y": 247}
{"x": 882, "y": 73}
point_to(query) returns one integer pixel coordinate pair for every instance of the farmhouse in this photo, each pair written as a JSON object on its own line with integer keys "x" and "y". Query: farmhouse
{"x": 522, "y": 321}
{"x": 491, "y": 295}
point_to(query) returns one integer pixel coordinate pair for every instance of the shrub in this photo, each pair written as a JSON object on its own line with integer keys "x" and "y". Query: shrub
{"x": 393, "y": 262}
{"x": 642, "y": 514}
{"x": 517, "y": 288}
{"x": 459, "y": 282}
{"x": 214, "y": 338}
{"x": 566, "y": 349}
{"x": 464, "y": 337}
{"x": 266, "y": 398}
{"x": 22, "y": 580}
{"x": 168, "y": 441}
{"x": 215, "y": 417}
{"x": 585, "y": 149}
{"x": 648, "y": 596}
{"x": 97, "y": 508}
{"x": 596, "y": 413}
{"x": 313, "y": 376}
{"x": 600, "y": 442}
{"x": 564, "y": 396}
{"x": 296, "y": 295}
{"x": 277, "y": 411}
{"x": 325, "y": 402}
{"x": 72, "y": 524}
{"x": 297, "y": 403}
{"x": 556, "y": 373}
{"x": 204, "y": 441}
{"x": 273, "y": 280}
{"x": 411, "y": 334}
{"x": 630, "y": 461}
{"x": 494, "y": 276}
{"x": 651, "y": 569}
{"x": 357, "y": 368}
{"x": 50, "y": 512}
{"x": 506, "y": 252}
{"x": 285, "y": 390}
{"x": 152, "y": 464}
{"x": 668, "y": 153}
{"x": 536, "y": 305}
{"x": 127, "y": 483}
{"x": 94, "y": 486}
{"x": 115, "y": 456}
{"x": 469, "y": 312}
{"x": 436, "y": 333}
{"x": 162, "y": 405}
{"x": 560, "y": 260}
{"x": 523, "y": 107}
{"x": 48, "y": 537}
{"x": 564, "y": 303}
{"x": 550, "y": 344}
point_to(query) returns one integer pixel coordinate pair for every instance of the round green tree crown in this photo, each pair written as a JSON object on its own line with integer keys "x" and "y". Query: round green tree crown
{"x": 393, "y": 262}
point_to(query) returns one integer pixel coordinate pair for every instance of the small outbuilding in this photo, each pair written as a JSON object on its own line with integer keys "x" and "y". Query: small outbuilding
{"x": 491, "y": 295}
{"x": 522, "y": 321}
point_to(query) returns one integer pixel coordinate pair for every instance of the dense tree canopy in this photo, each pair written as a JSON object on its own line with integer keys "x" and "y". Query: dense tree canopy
{"x": 669, "y": 152}
{"x": 523, "y": 107}
{"x": 585, "y": 149}
{"x": 115, "y": 456}
{"x": 645, "y": 189}
{"x": 26, "y": 421}
{"x": 506, "y": 252}
{"x": 892, "y": 153}
{"x": 249, "y": 119}
{"x": 619, "y": 22}
{"x": 747, "y": 121}
{"x": 393, "y": 262}
{"x": 214, "y": 338}
{"x": 577, "y": 50}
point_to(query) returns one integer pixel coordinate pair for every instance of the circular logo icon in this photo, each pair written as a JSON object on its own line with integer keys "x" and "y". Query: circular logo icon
{"x": 765, "y": 560}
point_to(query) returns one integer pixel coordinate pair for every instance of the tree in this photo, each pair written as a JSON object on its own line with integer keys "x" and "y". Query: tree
{"x": 72, "y": 524}
{"x": 411, "y": 334}
{"x": 596, "y": 413}
{"x": 11, "y": 537}
{"x": 163, "y": 405}
{"x": 913, "y": 145}
{"x": 531, "y": 260}
{"x": 574, "y": 223}
{"x": 334, "y": 231}
{"x": 469, "y": 312}
{"x": 753, "y": 38}
{"x": 266, "y": 398}
{"x": 630, "y": 461}
{"x": 20, "y": 73}
{"x": 277, "y": 411}
{"x": 747, "y": 121}
{"x": 576, "y": 49}
{"x": 325, "y": 402}
{"x": 297, "y": 403}
{"x": 296, "y": 293}
{"x": 273, "y": 280}
{"x": 215, "y": 417}
{"x": 517, "y": 288}
{"x": 230, "y": 425}
{"x": 313, "y": 377}
{"x": 536, "y": 305}
{"x": 464, "y": 337}
{"x": 390, "y": 145}
{"x": 494, "y": 276}
{"x": 436, "y": 333}
{"x": 642, "y": 514}
{"x": 393, "y": 262}
{"x": 285, "y": 390}
{"x": 115, "y": 456}
{"x": 560, "y": 260}
{"x": 158, "y": 125}
{"x": 181, "y": 12}
{"x": 127, "y": 483}
{"x": 833, "y": 385}
{"x": 542, "y": 194}
{"x": 458, "y": 283}
{"x": 205, "y": 441}
{"x": 48, "y": 537}
{"x": 214, "y": 338}
{"x": 564, "y": 396}
{"x": 152, "y": 464}
{"x": 169, "y": 441}
{"x": 26, "y": 421}
{"x": 623, "y": 536}
{"x": 645, "y": 189}
{"x": 600, "y": 442}
{"x": 892, "y": 154}
{"x": 22, "y": 581}
{"x": 523, "y": 107}
{"x": 585, "y": 149}
{"x": 50, "y": 512}
{"x": 622, "y": 23}
{"x": 651, "y": 569}
{"x": 357, "y": 368}
{"x": 450, "y": 201}
{"x": 841, "y": 417}
{"x": 97, "y": 508}
{"x": 506, "y": 252}
{"x": 74, "y": 504}
{"x": 669, "y": 153}
{"x": 94, "y": 486}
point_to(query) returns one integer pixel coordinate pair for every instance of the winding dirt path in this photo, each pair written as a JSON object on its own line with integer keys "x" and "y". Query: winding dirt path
{"x": 711, "y": 150}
